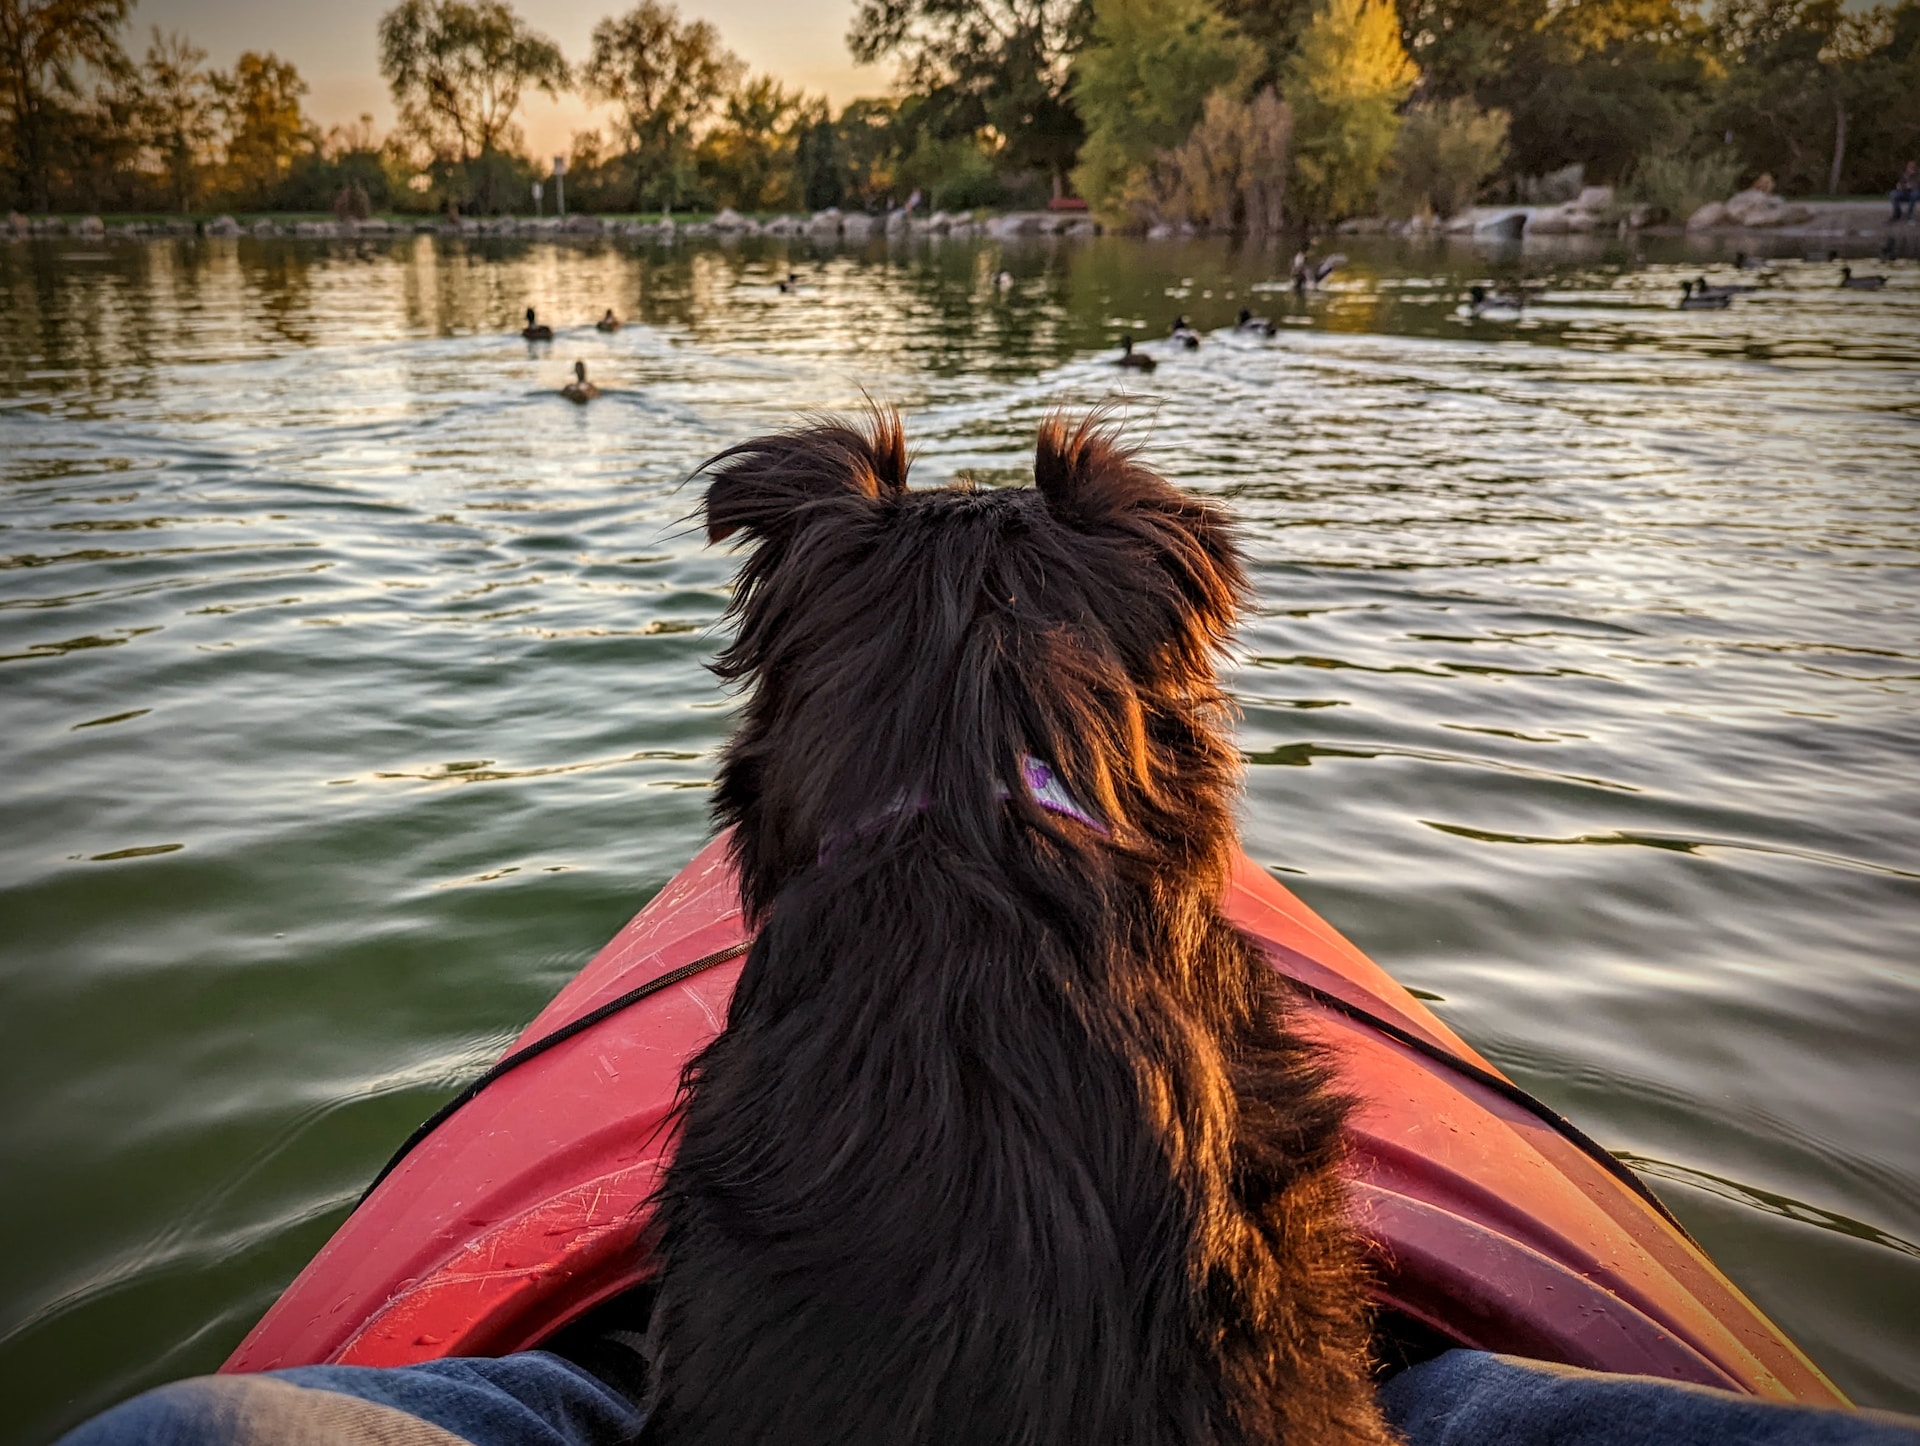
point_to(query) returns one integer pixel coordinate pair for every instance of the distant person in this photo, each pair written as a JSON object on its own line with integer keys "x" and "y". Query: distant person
{"x": 1906, "y": 192}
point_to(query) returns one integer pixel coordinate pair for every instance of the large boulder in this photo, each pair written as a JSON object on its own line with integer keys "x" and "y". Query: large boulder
{"x": 1757, "y": 209}
{"x": 223, "y": 226}
{"x": 585, "y": 225}
{"x": 90, "y": 226}
{"x": 730, "y": 220}
{"x": 1713, "y": 214}
{"x": 857, "y": 227}
{"x": 825, "y": 223}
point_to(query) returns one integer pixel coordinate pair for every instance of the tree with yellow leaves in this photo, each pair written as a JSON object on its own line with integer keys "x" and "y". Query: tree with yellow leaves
{"x": 1345, "y": 83}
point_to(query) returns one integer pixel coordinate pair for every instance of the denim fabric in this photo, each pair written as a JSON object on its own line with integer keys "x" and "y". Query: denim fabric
{"x": 1462, "y": 1398}
{"x": 530, "y": 1399}
{"x": 1470, "y": 1398}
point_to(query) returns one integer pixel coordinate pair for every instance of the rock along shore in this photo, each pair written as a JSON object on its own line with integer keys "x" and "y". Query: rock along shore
{"x": 829, "y": 225}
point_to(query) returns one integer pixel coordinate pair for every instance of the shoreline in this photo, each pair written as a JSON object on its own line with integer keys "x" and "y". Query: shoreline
{"x": 1833, "y": 221}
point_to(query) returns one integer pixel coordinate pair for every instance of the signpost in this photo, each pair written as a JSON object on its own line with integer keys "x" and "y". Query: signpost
{"x": 560, "y": 185}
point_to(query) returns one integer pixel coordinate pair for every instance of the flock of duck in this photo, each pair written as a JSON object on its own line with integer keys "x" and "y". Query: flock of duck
{"x": 579, "y": 390}
{"x": 1482, "y": 303}
{"x": 1506, "y": 303}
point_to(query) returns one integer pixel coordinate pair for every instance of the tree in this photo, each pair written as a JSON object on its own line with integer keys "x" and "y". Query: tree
{"x": 820, "y": 162}
{"x": 1813, "y": 84}
{"x": 267, "y": 133}
{"x": 666, "y": 77}
{"x": 178, "y": 106}
{"x": 1446, "y": 150}
{"x": 1346, "y": 84}
{"x": 996, "y": 70}
{"x": 45, "y": 46}
{"x": 1142, "y": 82}
{"x": 457, "y": 70}
{"x": 750, "y": 158}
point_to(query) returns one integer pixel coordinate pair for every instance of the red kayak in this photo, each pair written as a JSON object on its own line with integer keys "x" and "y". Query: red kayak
{"x": 1495, "y": 1223}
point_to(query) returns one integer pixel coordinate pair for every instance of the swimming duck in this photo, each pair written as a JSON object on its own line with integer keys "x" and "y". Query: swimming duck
{"x": 1255, "y": 325}
{"x": 1128, "y": 357}
{"x": 791, "y": 283}
{"x": 1184, "y": 334}
{"x": 609, "y": 322}
{"x": 536, "y": 330}
{"x": 1690, "y": 300}
{"x": 1494, "y": 305}
{"x": 580, "y": 389}
{"x": 1860, "y": 283}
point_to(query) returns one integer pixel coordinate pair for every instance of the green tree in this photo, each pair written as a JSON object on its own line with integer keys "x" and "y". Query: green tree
{"x": 178, "y": 112}
{"x": 1600, "y": 83}
{"x": 749, "y": 160}
{"x": 666, "y": 77}
{"x": 820, "y": 165}
{"x": 46, "y": 46}
{"x": 867, "y": 137}
{"x": 1142, "y": 83}
{"x": 1813, "y": 84}
{"x": 996, "y": 72}
{"x": 268, "y": 134}
{"x": 1345, "y": 84}
{"x": 457, "y": 70}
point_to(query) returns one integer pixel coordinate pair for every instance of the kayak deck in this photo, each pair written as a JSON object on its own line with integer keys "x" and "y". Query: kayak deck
{"x": 1490, "y": 1227}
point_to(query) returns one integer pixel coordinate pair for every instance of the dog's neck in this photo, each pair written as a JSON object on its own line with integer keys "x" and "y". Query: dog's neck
{"x": 1044, "y": 787}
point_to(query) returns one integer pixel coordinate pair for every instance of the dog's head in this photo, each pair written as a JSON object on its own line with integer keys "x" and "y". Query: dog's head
{"x": 906, "y": 651}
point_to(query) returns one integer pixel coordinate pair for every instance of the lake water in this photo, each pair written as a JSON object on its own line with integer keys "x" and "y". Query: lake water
{"x": 352, "y": 692}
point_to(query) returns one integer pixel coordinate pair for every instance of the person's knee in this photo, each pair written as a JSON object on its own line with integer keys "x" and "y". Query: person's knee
{"x": 253, "y": 1411}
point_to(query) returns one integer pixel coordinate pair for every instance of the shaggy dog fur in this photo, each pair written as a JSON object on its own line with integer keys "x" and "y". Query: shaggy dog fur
{"x": 1006, "y": 1142}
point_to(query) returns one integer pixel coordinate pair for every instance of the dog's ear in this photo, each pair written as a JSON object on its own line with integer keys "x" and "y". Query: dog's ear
{"x": 1095, "y": 485}
{"x": 768, "y": 486}
{"x": 1087, "y": 476}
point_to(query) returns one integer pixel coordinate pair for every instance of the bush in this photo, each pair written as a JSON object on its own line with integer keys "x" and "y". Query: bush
{"x": 351, "y": 203}
{"x": 1444, "y": 153}
{"x": 1230, "y": 174}
{"x": 1681, "y": 184}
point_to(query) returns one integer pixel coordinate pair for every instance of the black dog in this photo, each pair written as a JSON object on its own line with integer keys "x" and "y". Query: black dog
{"x": 1006, "y": 1141}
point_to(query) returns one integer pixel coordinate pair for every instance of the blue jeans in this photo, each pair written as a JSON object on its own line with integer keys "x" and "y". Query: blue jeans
{"x": 1461, "y": 1398}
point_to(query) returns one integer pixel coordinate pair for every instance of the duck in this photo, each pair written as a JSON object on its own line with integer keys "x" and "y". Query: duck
{"x": 609, "y": 322}
{"x": 1307, "y": 272}
{"x": 580, "y": 390}
{"x": 536, "y": 330}
{"x": 1255, "y": 325}
{"x": 1494, "y": 305}
{"x": 1860, "y": 283}
{"x": 1692, "y": 301}
{"x": 1744, "y": 262}
{"x": 1128, "y": 357}
{"x": 1184, "y": 334}
{"x": 790, "y": 283}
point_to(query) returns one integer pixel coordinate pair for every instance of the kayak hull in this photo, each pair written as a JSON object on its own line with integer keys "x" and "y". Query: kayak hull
{"x": 1489, "y": 1226}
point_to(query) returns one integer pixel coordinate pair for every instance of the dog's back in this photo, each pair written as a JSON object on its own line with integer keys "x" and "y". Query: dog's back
{"x": 1004, "y": 1141}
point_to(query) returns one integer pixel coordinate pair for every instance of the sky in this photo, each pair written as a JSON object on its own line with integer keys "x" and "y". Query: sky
{"x": 802, "y": 42}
